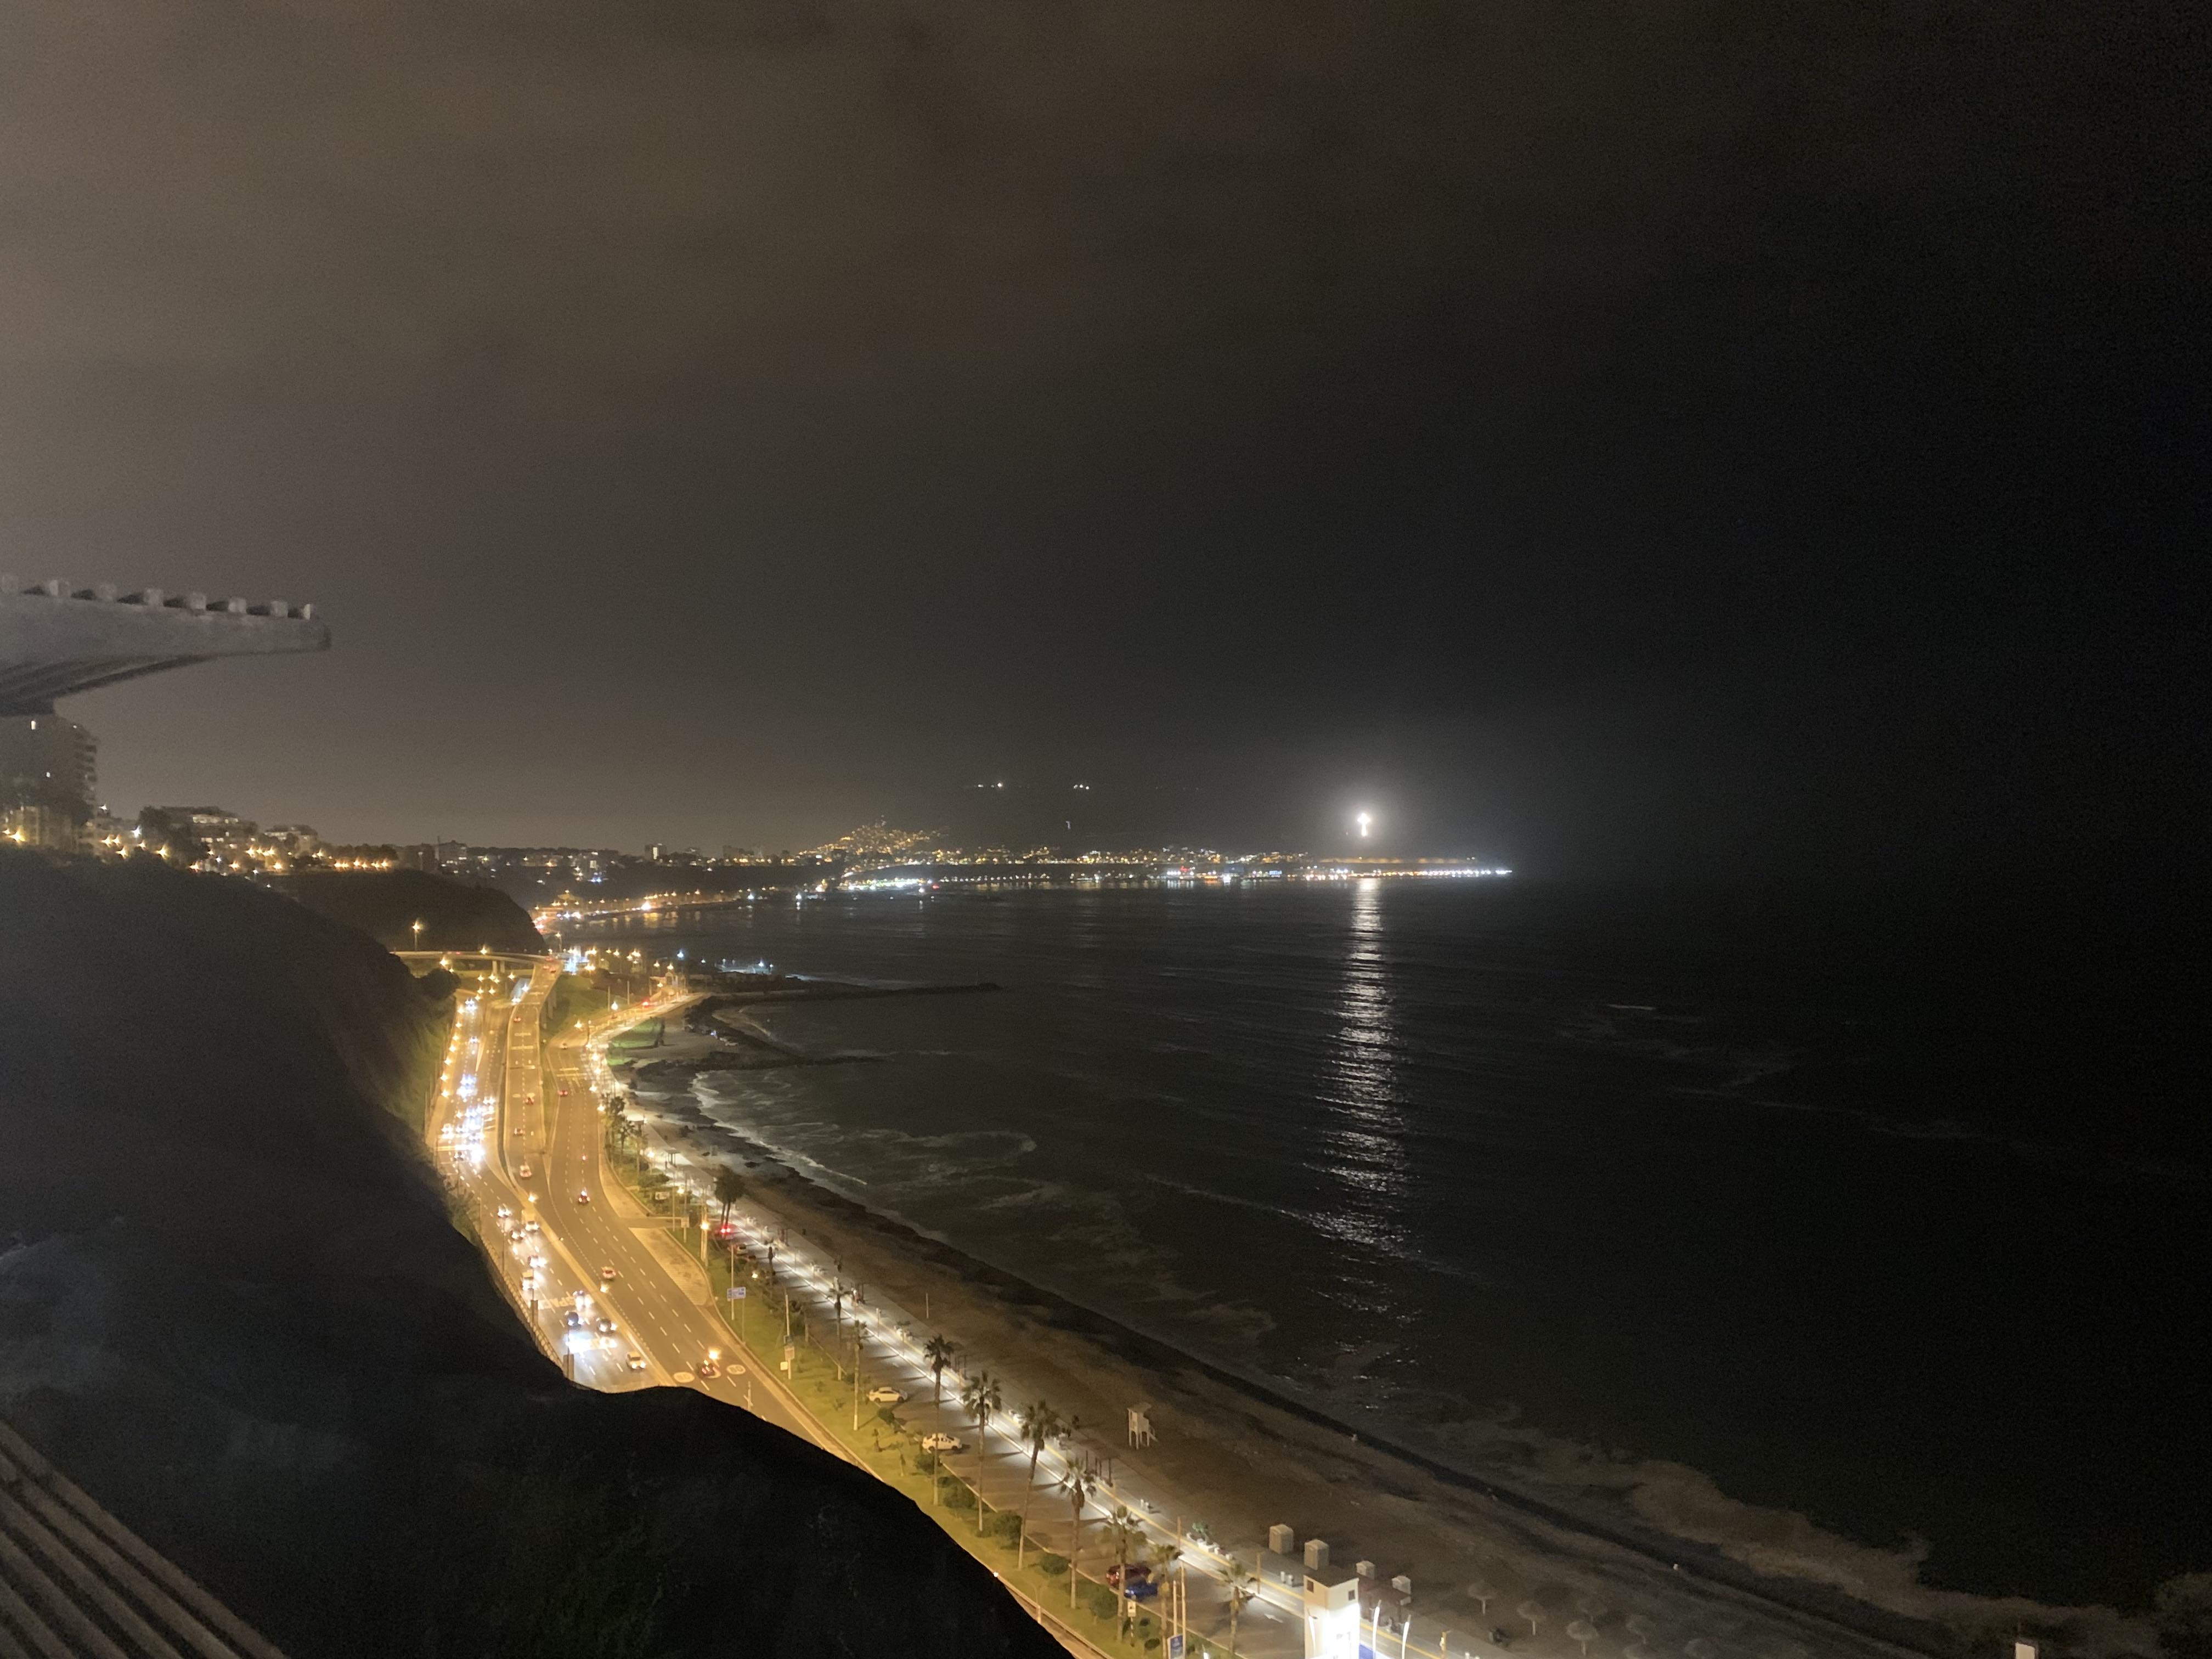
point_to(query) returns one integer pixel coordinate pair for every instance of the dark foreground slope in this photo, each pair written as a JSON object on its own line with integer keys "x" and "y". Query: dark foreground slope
{"x": 385, "y": 904}
{"x": 231, "y": 1307}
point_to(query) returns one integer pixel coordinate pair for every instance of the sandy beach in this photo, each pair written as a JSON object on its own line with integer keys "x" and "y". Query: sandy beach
{"x": 1566, "y": 1529}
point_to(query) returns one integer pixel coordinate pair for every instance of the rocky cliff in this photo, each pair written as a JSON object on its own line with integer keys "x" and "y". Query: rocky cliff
{"x": 385, "y": 904}
{"x": 232, "y": 1306}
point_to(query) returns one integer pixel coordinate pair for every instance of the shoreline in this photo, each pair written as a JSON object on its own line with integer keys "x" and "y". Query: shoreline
{"x": 1411, "y": 1508}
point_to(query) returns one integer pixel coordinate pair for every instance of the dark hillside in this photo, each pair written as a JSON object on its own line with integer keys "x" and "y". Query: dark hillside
{"x": 231, "y": 1307}
{"x": 385, "y": 904}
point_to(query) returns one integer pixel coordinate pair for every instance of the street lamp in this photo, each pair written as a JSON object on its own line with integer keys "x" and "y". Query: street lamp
{"x": 418, "y": 933}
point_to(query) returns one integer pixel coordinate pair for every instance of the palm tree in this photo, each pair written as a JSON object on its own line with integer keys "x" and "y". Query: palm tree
{"x": 937, "y": 1353}
{"x": 1040, "y": 1422}
{"x": 1243, "y": 1587}
{"x": 1125, "y": 1532}
{"x": 729, "y": 1187}
{"x": 981, "y": 1399}
{"x": 1077, "y": 1483}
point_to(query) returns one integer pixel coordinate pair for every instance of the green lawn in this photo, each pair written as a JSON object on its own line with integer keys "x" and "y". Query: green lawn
{"x": 635, "y": 1037}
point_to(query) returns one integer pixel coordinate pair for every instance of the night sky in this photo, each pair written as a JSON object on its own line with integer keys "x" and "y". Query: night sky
{"x": 1701, "y": 438}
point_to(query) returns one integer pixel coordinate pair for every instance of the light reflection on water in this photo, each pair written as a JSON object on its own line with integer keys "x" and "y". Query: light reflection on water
{"x": 1364, "y": 1128}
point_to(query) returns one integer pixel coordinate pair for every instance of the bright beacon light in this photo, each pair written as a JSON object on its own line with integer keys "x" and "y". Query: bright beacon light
{"x": 1363, "y": 820}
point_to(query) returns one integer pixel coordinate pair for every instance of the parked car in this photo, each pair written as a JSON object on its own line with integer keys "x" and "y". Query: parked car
{"x": 886, "y": 1396}
{"x": 943, "y": 1442}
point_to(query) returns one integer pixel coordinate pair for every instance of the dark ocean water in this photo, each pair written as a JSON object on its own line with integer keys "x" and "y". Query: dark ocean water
{"x": 1892, "y": 1212}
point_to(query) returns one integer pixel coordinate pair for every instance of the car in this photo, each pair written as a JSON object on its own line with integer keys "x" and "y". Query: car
{"x": 636, "y": 1360}
{"x": 523, "y": 1172}
{"x": 1137, "y": 1572}
{"x": 886, "y": 1396}
{"x": 504, "y": 1211}
{"x": 710, "y": 1368}
{"x": 564, "y": 1088}
{"x": 607, "y": 1326}
{"x": 943, "y": 1442}
{"x": 606, "y": 1275}
{"x": 582, "y": 1197}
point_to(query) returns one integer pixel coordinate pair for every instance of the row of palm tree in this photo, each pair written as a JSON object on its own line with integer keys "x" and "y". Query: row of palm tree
{"x": 1039, "y": 1424}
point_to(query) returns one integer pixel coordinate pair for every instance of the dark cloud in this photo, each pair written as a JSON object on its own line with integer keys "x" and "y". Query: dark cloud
{"x": 1767, "y": 429}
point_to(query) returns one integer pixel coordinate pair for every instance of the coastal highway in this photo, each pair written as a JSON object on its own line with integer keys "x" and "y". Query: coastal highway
{"x": 497, "y": 1061}
{"x": 658, "y": 1291}
{"x": 558, "y": 1138}
{"x": 480, "y": 1104}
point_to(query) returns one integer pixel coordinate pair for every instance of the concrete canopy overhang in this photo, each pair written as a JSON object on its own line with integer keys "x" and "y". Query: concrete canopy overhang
{"x": 55, "y": 642}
